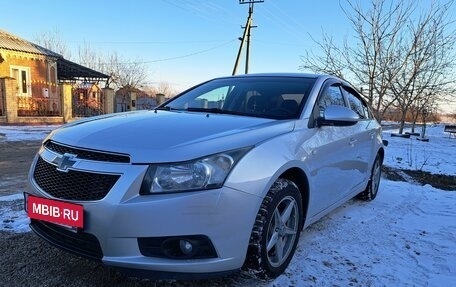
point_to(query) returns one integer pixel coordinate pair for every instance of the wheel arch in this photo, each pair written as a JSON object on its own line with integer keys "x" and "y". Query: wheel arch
{"x": 381, "y": 153}
{"x": 299, "y": 177}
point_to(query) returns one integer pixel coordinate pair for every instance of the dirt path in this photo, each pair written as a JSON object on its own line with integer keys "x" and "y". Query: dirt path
{"x": 15, "y": 160}
{"x": 27, "y": 260}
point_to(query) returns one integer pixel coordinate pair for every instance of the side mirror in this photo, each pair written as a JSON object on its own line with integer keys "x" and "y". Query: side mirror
{"x": 338, "y": 116}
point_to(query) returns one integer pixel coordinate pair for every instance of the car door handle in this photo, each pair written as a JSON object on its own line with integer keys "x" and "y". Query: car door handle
{"x": 352, "y": 142}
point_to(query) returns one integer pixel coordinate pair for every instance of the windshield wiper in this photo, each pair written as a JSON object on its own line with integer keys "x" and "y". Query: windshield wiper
{"x": 204, "y": 110}
{"x": 207, "y": 110}
{"x": 167, "y": 108}
{"x": 217, "y": 111}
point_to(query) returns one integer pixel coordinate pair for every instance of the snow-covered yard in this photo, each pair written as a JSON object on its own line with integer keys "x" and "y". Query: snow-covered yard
{"x": 436, "y": 156}
{"x": 21, "y": 133}
{"x": 405, "y": 237}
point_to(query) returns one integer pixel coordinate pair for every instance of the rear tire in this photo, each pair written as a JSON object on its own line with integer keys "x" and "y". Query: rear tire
{"x": 374, "y": 182}
{"x": 276, "y": 231}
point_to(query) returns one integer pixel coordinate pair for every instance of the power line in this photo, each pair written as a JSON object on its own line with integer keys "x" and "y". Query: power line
{"x": 289, "y": 18}
{"x": 148, "y": 42}
{"x": 191, "y": 54}
{"x": 203, "y": 10}
{"x": 281, "y": 43}
{"x": 273, "y": 17}
{"x": 170, "y": 58}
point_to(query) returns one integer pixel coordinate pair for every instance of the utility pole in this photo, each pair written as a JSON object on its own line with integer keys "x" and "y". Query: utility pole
{"x": 246, "y": 36}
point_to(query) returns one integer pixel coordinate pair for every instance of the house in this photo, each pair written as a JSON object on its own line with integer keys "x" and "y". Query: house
{"x": 129, "y": 99}
{"x": 39, "y": 86}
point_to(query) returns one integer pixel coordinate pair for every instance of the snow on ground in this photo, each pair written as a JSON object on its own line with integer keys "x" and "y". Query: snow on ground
{"x": 405, "y": 237}
{"x": 12, "y": 214}
{"x": 20, "y": 133}
{"x": 436, "y": 156}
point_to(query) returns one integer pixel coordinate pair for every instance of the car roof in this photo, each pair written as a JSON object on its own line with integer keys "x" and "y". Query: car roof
{"x": 321, "y": 77}
{"x": 282, "y": 75}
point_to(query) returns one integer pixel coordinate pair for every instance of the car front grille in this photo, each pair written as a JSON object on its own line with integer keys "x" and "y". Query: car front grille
{"x": 80, "y": 243}
{"x": 86, "y": 154}
{"x": 72, "y": 185}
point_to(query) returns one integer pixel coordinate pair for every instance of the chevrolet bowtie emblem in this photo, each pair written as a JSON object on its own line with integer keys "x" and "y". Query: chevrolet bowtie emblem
{"x": 65, "y": 162}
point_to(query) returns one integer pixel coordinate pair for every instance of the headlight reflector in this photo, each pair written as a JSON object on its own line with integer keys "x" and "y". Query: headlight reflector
{"x": 175, "y": 177}
{"x": 204, "y": 173}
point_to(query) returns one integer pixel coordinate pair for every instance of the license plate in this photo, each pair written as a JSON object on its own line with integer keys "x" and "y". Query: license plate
{"x": 55, "y": 211}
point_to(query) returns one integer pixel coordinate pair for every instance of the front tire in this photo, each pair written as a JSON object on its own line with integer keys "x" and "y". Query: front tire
{"x": 374, "y": 182}
{"x": 276, "y": 231}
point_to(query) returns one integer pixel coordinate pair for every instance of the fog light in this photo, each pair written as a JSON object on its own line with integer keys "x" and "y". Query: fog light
{"x": 186, "y": 247}
{"x": 179, "y": 247}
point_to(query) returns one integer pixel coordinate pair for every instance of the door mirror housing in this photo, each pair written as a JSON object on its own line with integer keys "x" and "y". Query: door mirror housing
{"x": 335, "y": 115}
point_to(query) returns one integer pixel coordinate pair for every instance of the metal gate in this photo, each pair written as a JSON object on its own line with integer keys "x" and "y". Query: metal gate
{"x": 87, "y": 100}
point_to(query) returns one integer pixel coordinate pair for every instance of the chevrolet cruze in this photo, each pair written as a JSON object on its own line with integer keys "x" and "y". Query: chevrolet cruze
{"x": 224, "y": 176}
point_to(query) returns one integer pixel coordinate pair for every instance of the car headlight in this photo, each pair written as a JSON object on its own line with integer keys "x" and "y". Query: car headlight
{"x": 203, "y": 173}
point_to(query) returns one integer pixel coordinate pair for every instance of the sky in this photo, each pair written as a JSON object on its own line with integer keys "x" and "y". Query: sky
{"x": 186, "y": 42}
{"x": 405, "y": 237}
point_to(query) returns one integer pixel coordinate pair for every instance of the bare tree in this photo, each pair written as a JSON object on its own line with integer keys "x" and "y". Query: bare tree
{"x": 122, "y": 72}
{"x": 126, "y": 72}
{"x": 89, "y": 57}
{"x": 424, "y": 107}
{"x": 161, "y": 91}
{"x": 166, "y": 89}
{"x": 428, "y": 71}
{"x": 364, "y": 61}
{"x": 396, "y": 57}
{"x": 329, "y": 60}
{"x": 52, "y": 40}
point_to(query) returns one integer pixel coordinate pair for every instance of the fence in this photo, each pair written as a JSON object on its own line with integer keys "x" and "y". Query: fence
{"x": 38, "y": 106}
{"x": 145, "y": 102}
{"x": 44, "y": 101}
{"x": 87, "y": 100}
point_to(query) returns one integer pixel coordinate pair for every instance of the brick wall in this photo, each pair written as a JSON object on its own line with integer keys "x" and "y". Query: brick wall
{"x": 37, "y": 65}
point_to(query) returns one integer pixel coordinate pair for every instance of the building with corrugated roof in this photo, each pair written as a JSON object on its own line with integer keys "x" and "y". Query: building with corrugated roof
{"x": 36, "y": 84}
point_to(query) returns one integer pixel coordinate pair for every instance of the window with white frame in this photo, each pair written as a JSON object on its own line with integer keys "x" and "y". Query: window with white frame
{"x": 23, "y": 80}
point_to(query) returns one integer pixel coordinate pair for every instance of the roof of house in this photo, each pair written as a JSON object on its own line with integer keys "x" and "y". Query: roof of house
{"x": 11, "y": 42}
{"x": 70, "y": 71}
{"x": 67, "y": 70}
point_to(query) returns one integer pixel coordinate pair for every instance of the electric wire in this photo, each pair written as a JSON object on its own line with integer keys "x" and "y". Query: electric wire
{"x": 174, "y": 57}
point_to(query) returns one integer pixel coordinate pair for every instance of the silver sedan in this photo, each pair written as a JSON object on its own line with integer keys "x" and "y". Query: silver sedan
{"x": 222, "y": 177}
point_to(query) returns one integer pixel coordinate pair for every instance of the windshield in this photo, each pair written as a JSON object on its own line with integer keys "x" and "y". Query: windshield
{"x": 266, "y": 97}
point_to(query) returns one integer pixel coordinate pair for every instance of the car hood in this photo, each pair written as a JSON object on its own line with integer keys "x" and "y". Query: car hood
{"x": 168, "y": 136}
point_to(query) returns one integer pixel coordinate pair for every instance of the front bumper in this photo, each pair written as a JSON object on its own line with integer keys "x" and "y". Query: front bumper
{"x": 115, "y": 223}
